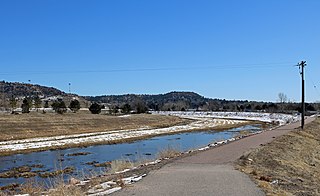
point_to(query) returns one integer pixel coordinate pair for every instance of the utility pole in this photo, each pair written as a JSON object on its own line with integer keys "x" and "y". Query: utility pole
{"x": 69, "y": 88}
{"x": 301, "y": 65}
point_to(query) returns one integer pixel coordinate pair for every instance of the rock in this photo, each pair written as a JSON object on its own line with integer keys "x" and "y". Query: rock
{"x": 79, "y": 154}
{"x": 92, "y": 162}
{"x": 73, "y": 181}
{"x": 275, "y": 182}
{"x": 265, "y": 178}
{"x": 105, "y": 164}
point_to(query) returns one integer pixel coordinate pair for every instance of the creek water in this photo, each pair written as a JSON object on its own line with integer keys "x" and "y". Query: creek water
{"x": 141, "y": 149}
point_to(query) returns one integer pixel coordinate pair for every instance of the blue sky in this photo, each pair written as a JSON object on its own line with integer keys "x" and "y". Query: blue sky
{"x": 225, "y": 49}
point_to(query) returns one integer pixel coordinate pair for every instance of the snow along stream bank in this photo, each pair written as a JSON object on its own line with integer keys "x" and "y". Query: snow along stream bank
{"x": 202, "y": 120}
{"x": 276, "y": 118}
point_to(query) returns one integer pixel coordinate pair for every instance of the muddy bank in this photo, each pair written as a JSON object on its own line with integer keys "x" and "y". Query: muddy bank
{"x": 29, "y": 171}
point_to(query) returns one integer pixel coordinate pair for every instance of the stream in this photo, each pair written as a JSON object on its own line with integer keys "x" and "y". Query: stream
{"x": 86, "y": 160}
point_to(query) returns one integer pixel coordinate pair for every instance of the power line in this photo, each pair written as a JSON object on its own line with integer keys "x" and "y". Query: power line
{"x": 220, "y": 67}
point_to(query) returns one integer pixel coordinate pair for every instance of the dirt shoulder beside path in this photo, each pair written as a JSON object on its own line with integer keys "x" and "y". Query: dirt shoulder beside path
{"x": 289, "y": 165}
{"x": 208, "y": 173}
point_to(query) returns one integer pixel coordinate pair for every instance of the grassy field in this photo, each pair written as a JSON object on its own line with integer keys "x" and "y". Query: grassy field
{"x": 290, "y": 165}
{"x": 50, "y": 124}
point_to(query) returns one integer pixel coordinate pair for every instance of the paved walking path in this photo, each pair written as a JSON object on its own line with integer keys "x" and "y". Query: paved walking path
{"x": 207, "y": 173}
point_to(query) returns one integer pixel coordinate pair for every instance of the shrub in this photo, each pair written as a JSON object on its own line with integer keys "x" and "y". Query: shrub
{"x": 120, "y": 165}
{"x": 126, "y": 108}
{"x": 59, "y": 106}
{"x": 95, "y": 108}
{"x": 140, "y": 106}
{"x": 25, "y": 106}
{"x": 74, "y": 105}
{"x": 168, "y": 152}
{"x": 37, "y": 102}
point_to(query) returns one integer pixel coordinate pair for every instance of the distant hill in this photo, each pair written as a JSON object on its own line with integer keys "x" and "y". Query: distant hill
{"x": 168, "y": 101}
{"x": 180, "y": 101}
{"x": 23, "y": 89}
{"x": 190, "y": 97}
{"x": 19, "y": 90}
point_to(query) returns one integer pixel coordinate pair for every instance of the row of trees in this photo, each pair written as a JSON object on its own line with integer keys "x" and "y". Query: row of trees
{"x": 59, "y": 105}
{"x": 137, "y": 107}
{"x": 36, "y": 101}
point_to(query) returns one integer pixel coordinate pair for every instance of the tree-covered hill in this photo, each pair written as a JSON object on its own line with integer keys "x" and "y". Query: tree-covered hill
{"x": 172, "y": 101}
{"x": 18, "y": 91}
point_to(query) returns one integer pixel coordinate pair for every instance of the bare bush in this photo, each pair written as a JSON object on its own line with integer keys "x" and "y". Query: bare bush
{"x": 32, "y": 187}
{"x": 168, "y": 152}
{"x": 120, "y": 165}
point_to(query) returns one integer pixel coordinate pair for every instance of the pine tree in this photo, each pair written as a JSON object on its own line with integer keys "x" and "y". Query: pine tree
{"x": 95, "y": 108}
{"x": 37, "y": 102}
{"x": 25, "y": 106}
{"x": 74, "y": 105}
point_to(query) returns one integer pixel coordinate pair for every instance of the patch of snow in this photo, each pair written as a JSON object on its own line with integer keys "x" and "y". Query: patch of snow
{"x": 263, "y": 117}
{"x": 123, "y": 171}
{"x": 107, "y": 188}
{"x": 101, "y": 187}
{"x": 125, "y": 116}
{"x": 202, "y": 149}
{"x": 153, "y": 162}
{"x": 106, "y": 192}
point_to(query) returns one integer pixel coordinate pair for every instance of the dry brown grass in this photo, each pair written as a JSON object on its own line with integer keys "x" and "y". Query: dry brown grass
{"x": 50, "y": 124}
{"x": 120, "y": 165}
{"x": 59, "y": 188}
{"x": 291, "y": 162}
{"x": 32, "y": 187}
{"x": 168, "y": 152}
{"x": 63, "y": 189}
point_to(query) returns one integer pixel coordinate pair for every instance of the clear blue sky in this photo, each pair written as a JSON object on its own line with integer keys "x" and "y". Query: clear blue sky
{"x": 227, "y": 49}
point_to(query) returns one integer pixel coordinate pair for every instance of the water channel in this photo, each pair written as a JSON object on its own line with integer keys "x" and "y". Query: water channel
{"x": 48, "y": 161}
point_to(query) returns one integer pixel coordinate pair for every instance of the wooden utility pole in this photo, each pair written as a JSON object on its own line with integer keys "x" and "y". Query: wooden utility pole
{"x": 301, "y": 65}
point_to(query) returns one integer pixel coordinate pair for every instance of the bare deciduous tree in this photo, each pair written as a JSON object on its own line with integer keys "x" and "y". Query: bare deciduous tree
{"x": 282, "y": 98}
